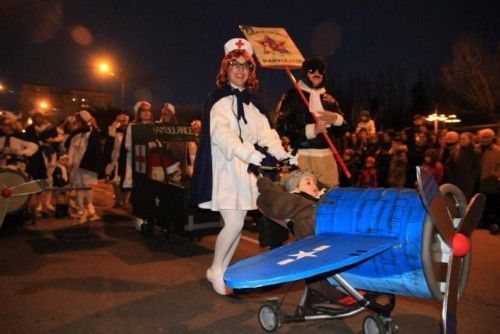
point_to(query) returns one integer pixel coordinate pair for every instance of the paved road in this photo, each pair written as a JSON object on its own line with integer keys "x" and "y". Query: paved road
{"x": 61, "y": 277}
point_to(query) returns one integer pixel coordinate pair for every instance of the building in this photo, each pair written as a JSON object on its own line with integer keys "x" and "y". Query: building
{"x": 60, "y": 104}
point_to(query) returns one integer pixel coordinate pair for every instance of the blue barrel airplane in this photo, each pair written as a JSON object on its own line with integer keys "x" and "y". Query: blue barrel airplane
{"x": 391, "y": 241}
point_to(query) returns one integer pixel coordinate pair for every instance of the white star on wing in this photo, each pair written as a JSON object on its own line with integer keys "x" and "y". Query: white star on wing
{"x": 302, "y": 254}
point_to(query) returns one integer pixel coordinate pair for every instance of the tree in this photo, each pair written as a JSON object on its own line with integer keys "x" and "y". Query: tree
{"x": 472, "y": 77}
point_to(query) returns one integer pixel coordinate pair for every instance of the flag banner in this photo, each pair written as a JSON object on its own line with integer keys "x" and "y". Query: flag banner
{"x": 158, "y": 146}
{"x": 273, "y": 47}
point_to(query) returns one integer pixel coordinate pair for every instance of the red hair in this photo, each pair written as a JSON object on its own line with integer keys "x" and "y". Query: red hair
{"x": 222, "y": 78}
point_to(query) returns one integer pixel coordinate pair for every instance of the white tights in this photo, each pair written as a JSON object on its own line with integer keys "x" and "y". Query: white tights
{"x": 225, "y": 246}
{"x": 228, "y": 238}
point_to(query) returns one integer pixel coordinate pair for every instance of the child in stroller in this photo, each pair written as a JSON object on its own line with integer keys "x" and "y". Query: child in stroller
{"x": 293, "y": 206}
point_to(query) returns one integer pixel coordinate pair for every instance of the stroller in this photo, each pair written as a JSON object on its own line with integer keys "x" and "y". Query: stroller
{"x": 320, "y": 299}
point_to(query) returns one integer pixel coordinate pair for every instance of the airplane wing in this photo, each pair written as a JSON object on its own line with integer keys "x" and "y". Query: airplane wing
{"x": 305, "y": 258}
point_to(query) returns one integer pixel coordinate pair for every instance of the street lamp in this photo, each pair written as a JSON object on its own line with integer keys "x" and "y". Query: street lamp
{"x": 436, "y": 118}
{"x": 105, "y": 68}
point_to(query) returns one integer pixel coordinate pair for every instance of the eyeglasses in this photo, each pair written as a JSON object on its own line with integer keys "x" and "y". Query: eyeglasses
{"x": 242, "y": 66}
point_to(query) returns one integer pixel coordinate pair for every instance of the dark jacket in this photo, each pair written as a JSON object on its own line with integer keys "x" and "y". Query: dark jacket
{"x": 293, "y": 116}
{"x": 92, "y": 159}
{"x": 278, "y": 204}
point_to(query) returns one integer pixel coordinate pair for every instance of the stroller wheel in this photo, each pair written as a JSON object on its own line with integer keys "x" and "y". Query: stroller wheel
{"x": 378, "y": 325}
{"x": 372, "y": 325}
{"x": 269, "y": 317}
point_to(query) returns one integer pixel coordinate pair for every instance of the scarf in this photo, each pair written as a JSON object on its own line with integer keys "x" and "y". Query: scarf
{"x": 315, "y": 104}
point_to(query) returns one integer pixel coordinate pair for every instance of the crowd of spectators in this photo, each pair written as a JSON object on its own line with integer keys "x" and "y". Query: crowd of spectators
{"x": 469, "y": 160}
{"x": 42, "y": 150}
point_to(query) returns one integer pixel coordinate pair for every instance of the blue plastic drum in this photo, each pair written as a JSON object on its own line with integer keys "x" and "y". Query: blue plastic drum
{"x": 417, "y": 266}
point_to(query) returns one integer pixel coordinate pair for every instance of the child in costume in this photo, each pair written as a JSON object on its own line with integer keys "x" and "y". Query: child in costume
{"x": 294, "y": 204}
{"x": 174, "y": 174}
{"x": 368, "y": 174}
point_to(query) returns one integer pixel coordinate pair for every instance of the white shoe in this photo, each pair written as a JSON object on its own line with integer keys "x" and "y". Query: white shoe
{"x": 209, "y": 275}
{"x": 218, "y": 285}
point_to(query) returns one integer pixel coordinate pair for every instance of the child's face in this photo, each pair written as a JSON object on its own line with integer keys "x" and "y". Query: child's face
{"x": 308, "y": 185}
{"x": 176, "y": 176}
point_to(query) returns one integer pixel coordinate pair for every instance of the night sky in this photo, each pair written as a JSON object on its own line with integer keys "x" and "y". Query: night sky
{"x": 171, "y": 50}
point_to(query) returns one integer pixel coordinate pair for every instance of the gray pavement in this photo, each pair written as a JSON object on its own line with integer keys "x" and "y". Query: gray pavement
{"x": 58, "y": 276}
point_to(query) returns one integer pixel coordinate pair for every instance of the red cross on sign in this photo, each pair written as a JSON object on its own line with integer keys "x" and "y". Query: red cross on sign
{"x": 240, "y": 44}
{"x": 140, "y": 159}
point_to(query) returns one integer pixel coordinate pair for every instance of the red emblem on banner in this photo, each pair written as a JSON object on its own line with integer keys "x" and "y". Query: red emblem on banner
{"x": 140, "y": 159}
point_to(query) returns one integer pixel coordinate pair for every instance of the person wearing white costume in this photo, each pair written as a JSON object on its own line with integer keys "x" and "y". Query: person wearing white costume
{"x": 234, "y": 121}
{"x": 142, "y": 115}
{"x": 85, "y": 156}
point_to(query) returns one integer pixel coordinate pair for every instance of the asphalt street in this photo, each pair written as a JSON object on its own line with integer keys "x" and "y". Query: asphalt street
{"x": 58, "y": 276}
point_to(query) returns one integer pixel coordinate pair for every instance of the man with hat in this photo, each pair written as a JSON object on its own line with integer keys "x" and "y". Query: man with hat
{"x": 295, "y": 121}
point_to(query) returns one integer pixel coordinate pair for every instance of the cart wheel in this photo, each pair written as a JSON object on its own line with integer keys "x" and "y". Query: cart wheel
{"x": 269, "y": 317}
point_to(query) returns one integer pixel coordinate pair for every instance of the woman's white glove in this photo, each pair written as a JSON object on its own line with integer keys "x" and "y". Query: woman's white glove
{"x": 292, "y": 159}
{"x": 256, "y": 158}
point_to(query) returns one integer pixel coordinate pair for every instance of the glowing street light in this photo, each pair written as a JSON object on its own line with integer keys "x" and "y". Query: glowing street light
{"x": 105, "y": 68}
{"x": 43, "y": 105}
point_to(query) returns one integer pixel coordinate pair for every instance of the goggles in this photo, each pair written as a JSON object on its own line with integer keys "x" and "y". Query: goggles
{"x": 314, "y": 69}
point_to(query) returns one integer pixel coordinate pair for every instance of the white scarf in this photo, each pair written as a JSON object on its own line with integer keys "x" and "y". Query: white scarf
{"x": 315, "y": 104}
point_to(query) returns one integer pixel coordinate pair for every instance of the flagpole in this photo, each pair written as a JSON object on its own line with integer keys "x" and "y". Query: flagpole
{"x": 316, "y": 119}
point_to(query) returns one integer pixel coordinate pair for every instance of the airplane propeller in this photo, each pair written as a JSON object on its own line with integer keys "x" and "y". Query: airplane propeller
{"x": 458, "y": 240}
